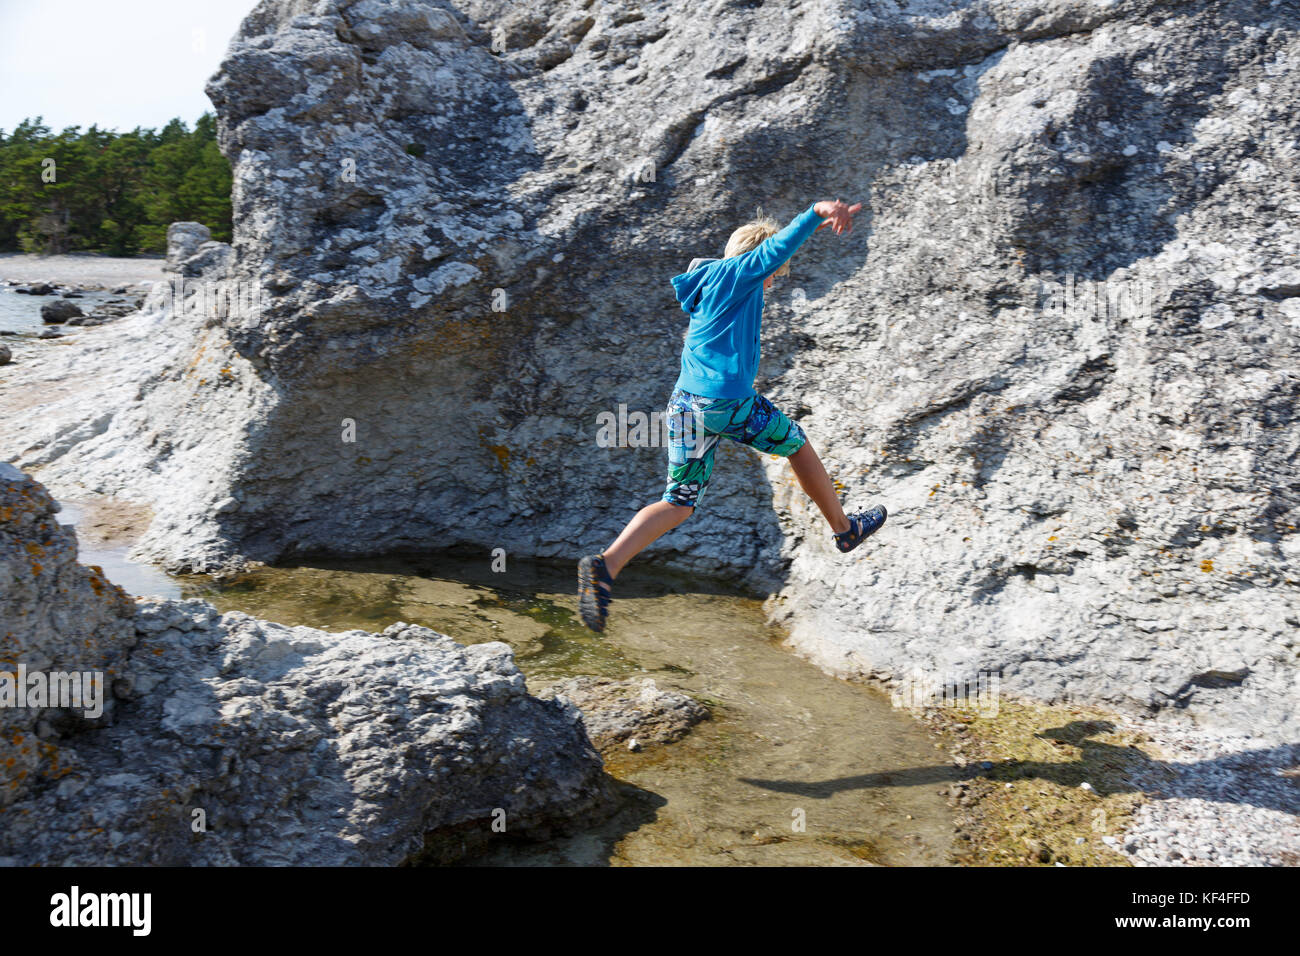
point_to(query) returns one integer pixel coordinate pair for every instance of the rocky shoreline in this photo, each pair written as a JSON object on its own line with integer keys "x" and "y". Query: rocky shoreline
{"x": 68, "y": 306}
{"x": 89, "y": 272}
{"x": 1221, "y": 799}
{"x": 1201, "y": 799}
{"x": 1088, "y": 430}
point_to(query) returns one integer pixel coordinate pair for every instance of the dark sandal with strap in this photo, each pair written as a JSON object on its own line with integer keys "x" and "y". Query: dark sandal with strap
{"x": 862, "y": 525}
{"x": 594, "y": 587}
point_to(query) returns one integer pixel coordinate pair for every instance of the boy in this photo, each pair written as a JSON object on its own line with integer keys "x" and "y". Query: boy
{"x": 714, "y": 397}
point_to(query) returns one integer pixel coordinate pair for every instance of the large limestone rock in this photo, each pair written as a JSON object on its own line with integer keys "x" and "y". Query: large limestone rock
{"x": 1098, "y": 501}
{"x": 229, "y": 740}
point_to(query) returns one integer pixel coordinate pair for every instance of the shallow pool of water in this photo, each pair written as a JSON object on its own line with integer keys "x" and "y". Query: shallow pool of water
{"x": 137, "y": 579}
{"x": 794, "y": 768}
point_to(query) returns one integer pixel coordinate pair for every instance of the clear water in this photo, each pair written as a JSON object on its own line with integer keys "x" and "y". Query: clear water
{"x": 137, "y": 579}
{"x": 22, "y": 313}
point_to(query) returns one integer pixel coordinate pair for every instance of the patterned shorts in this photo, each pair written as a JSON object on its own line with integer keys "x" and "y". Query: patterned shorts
{"x": 695, "y": 424}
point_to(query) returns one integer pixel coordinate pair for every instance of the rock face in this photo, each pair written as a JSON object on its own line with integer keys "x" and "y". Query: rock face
{"x": 55, "y": 616}
{"x": 229, "y": 740}
{"x": 1061, "y": 345}
{"x": 617, "y": 711}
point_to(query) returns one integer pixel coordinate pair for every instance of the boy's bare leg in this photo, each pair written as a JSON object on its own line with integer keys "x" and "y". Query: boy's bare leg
{"x": 646, "y": 525}
{"x": 817, "y": 485}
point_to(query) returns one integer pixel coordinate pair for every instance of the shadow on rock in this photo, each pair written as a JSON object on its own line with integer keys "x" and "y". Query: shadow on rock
{"x": 1240, "y": 778}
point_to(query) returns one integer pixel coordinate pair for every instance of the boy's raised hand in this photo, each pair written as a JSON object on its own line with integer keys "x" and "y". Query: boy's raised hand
{"x": 838, "y": 215}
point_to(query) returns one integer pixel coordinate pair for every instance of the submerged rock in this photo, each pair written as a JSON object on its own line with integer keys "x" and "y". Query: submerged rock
{"x": 637, "y": 712}
{"x": 224, "y": 739}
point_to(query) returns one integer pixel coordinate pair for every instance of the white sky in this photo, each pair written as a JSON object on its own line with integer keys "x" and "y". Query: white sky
{"x": 117, "y": 63}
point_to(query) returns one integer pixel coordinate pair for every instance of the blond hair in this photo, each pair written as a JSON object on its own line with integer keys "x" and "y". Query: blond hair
{"x": 752, "y": 235}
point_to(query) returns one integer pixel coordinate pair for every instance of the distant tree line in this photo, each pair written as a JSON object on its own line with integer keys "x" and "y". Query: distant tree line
{"x": 110, "y": 192}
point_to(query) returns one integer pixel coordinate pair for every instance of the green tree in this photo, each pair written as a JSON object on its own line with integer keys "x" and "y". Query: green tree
{"x": 20, "y": 178}
{"x": 104, "y": 191}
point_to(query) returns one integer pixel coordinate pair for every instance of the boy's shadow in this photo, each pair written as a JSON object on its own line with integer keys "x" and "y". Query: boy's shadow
{"x": 1234, "y": 778}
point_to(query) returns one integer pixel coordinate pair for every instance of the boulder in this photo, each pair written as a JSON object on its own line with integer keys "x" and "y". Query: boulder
{"x": 210, "y": 260}
{"x": 183, "y": 241}
{"x": 57, "y": 616}
{"x": 56, "y": 313}
{"x": 618, "y": 711}
{"x": 224, "y": 740}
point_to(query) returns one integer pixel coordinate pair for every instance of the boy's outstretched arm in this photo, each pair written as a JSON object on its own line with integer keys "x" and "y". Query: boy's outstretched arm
{"x": 767, "y": 257}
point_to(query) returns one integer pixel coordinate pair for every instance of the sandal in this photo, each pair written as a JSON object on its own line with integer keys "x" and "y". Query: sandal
{"x": 594, "y": 587}
{"x": 862, "y": 525}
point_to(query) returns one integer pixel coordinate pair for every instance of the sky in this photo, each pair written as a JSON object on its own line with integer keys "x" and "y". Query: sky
{"x": 116, "y": 63}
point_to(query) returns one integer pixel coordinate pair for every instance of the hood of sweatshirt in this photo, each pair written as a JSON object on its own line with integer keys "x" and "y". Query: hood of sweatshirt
{"x": 690, "y": 283}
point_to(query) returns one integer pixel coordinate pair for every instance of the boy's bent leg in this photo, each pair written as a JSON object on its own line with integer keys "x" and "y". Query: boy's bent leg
{"x": 849, "y": 531}
{"x": 810, "y": 471}
{"x": 770, "y": 431}
{"x": 647, "y": 525}
{"x": 596, "y": 572}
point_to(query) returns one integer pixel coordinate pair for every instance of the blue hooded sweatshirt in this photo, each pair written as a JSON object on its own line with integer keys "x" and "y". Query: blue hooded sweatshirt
{"x": 724, "y": 298}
